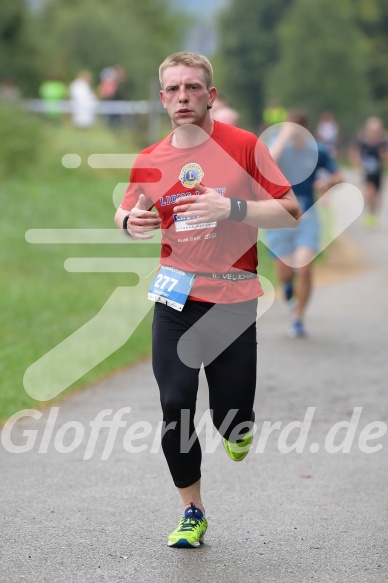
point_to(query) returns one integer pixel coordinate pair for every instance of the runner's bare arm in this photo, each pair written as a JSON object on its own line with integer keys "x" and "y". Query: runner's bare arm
{"x": 274, "y": 213}
{"x": 283, "y": 212}
{"x": 287, "y": 131}
{"x": 322, "y": 185}
{"x": 354, "y": 156}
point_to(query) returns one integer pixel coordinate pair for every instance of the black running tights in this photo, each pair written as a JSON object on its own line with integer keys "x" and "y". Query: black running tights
{"x": 222, "y": 337}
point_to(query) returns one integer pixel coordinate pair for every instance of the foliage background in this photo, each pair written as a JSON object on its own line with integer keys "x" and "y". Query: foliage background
{"x": 313, "y": 53}
{"x": 319, "y": 54}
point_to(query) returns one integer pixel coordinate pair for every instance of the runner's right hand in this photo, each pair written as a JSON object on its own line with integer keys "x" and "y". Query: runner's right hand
{"x": 142, "y": 221}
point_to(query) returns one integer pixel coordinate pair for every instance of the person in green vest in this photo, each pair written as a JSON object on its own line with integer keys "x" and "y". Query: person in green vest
{"x": 51, "y": 91}
{"x": 274, "y": 113}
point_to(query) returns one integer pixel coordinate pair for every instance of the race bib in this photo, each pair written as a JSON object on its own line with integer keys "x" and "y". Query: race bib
{"x": 371, "y": 165}
{"x": 171, "y": 286}
{"x": 180, "y": 224}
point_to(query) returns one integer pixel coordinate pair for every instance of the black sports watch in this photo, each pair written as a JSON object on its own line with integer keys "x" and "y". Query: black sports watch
{"x": 125, "y": 226}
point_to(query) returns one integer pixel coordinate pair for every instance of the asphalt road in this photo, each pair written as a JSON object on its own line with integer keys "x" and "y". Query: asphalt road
{"x": 316, "y": 515}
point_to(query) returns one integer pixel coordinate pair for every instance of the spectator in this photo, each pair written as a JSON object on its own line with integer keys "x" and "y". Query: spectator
{"x": 328, "y": 132}
{"x": 9, "y": 91}
{"x": 84, "y": 101}
{"x": 274, "y": 113}
{"x": 51, "y": 91}
{"x": 108, "y": 83}
{"x": 114, "y": 86}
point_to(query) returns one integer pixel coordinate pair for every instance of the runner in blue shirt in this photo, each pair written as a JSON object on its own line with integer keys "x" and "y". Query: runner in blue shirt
{"x": 310, "y": 169}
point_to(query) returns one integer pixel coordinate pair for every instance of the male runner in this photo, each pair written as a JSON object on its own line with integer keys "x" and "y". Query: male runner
{"x": 212, "y": 186}
{"x": 370, "y": 154}
{"x": 223, "y": 112}
{"x": 299, "y": 155}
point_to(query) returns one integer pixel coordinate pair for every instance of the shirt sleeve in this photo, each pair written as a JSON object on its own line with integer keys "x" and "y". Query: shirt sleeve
{"x": 138, "y": 182}
{"x": 132, "y": 193}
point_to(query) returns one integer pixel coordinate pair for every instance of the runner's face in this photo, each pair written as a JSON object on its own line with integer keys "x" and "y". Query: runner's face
{"x": 185, "y": 95}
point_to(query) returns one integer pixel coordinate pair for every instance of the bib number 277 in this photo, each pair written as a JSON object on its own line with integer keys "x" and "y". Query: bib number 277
{"x": 164, "y": 281}
{"x": 171, "y": 286}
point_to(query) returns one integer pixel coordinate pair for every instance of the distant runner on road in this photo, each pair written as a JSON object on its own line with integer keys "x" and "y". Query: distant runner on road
{"x": 301, "y": 159}
{"x": 369, "y": 155}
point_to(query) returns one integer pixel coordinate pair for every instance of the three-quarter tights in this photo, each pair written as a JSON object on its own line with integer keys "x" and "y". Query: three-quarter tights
{"x": 222, "y": 338}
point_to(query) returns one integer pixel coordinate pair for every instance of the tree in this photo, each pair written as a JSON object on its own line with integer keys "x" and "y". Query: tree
{"x": 322, "y": 61}
{"x": 248, "y": 49}
{"x": 93, "y": 34}
{"x": 11, "y": 29}
{"x": 15, "y": 42}
{"x": 372, "y": 19}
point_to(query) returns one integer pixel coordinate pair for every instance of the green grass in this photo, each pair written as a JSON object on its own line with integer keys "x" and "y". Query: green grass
{"x": 42, "y": 303}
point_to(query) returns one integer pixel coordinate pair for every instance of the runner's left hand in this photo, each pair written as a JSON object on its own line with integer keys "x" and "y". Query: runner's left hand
{"x": 322, "y": 186}
{"x": 207, "y": 207}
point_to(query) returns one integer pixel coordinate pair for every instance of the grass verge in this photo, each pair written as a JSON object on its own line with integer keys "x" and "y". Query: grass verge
{"x": 42, "y": 303}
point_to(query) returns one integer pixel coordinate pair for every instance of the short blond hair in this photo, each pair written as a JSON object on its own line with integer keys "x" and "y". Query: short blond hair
{"x": 190, "y": 60}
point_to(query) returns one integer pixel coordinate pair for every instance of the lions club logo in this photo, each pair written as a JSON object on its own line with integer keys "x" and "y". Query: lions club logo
{"x": 191, "y": 174}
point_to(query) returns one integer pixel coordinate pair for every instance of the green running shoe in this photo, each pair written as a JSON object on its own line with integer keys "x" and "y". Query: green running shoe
{"x": 191, "y": 529}
{"x": 370, "y": 221}
{"x": 238, "y": 451}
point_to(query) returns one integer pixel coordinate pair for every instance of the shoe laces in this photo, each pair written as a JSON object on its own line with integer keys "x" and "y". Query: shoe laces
{"x": 191, "y": 518}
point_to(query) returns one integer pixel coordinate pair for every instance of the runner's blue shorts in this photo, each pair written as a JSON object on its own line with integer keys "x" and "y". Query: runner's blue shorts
{"x": 283, "y": 242}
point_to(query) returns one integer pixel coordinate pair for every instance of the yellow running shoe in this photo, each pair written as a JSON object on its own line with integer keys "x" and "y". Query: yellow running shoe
{"x": 370, "y": 221}
{"x": 238, "y": 451}
{"x": 191, "y": 529}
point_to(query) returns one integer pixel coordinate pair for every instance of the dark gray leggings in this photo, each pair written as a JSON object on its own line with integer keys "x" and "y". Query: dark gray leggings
{"x": 222, "y": 337}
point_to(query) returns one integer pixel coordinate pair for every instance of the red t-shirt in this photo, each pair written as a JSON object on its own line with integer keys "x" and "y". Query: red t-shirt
{"x": 236, "y": 164}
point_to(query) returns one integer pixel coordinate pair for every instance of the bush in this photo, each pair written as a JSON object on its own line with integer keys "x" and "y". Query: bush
{"x": 22, "y": 136}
